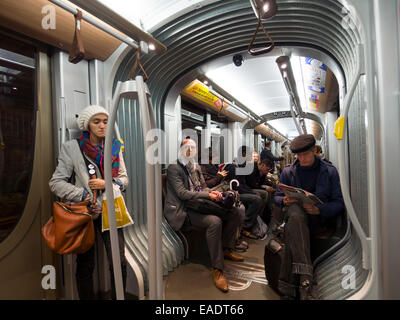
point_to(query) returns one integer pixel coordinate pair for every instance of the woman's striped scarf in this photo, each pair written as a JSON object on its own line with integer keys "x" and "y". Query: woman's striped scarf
{"x": 96, "y": 153}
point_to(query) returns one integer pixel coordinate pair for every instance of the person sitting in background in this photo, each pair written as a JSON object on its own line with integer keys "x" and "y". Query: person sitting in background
{"x": 256, "y": 157}
{"x": 185, "y": 182}
{"x": 211, "y": 173}
{"x": 256, "y": 181}
{"x": 214, "y": 178}
{"x": 318, "y": 150}
{"x": 318, "y": 153}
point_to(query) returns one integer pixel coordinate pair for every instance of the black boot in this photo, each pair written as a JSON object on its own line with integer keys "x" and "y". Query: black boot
{"x": 85, "y": 289}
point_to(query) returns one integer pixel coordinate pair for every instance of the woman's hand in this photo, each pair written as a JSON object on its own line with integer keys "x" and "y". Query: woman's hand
{"x": 97, "y": 184}
{"x": 223, "y": 173}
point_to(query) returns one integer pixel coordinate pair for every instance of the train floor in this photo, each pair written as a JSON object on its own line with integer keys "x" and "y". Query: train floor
{"x": 192, "y": 280}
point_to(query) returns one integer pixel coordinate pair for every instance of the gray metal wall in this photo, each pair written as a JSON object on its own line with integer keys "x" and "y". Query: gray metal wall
{"x": 358, "y": 156}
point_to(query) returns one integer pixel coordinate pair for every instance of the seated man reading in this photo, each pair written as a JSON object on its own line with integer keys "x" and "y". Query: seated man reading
{"x": 304, "y": 220}
{"x": 185, "y": 182}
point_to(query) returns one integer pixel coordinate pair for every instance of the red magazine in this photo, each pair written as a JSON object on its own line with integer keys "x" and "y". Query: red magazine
{"x": 300, "y": 194}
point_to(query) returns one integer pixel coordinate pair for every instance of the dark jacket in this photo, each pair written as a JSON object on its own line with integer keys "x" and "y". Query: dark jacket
{"x": 255, "y": 180}
{"x": 243, "y": 187}
{"x": 327, "y": 188}
{"x": 178, "y": 191}
{"x": 210, "y": 174}
{"x": 267, "y": 154}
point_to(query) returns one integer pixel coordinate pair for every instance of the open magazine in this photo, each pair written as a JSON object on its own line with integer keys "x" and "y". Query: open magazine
{"x": 300, "y": 194}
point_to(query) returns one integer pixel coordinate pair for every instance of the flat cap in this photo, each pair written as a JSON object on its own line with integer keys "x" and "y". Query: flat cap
{"x": 302, "y": 143}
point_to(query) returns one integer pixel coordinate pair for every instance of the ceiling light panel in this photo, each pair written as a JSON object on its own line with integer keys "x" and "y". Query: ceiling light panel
{"x": 257, "y": 84}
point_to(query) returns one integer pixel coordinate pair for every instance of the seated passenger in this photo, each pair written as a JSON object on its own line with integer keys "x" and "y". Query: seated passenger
{"x": 211, "y": 174}
{"x": 214, "y": 178}
{"x": 256, "y": 181}
{"x": 250, "y": 199}
{"x": 304, "y": 220}
{"x": 184, "y": 182}
{"x": 318, "y": 153}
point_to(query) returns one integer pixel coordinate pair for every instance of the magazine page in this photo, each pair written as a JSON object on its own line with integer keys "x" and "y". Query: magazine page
{"x": 299, "y": 194}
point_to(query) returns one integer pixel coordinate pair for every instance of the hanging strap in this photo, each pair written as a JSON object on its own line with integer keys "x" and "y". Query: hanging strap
{"x": 256, "y": 52}
{"x": 77, "y": 51}
{"x": 137, "y": 62}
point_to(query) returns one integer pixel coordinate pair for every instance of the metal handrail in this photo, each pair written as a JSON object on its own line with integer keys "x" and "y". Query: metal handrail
{"x": 116, "y": 261}
{"x": 96, "y": 23}
{"x": 137, "y": 89}
{"x": 365, "y": 242}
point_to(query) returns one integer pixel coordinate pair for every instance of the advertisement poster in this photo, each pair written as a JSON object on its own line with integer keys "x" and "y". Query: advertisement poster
{"x": 315, "y": 75}
{"x": 197, "y": 90}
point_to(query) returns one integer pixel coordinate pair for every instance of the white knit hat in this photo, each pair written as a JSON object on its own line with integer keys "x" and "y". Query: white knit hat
{"x": 87, "y": 114}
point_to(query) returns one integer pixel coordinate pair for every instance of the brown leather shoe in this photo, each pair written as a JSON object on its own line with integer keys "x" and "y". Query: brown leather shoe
{"x": 219, "y": 280}
{"x": 249, "y": 235}
{"x": 229, "y": 254}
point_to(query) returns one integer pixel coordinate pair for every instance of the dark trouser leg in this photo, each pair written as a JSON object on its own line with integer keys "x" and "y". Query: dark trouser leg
{"x": 213, "y": 226}
{"x": 107, "y": 243}
{"x": 297, "y": 261}
{"x": 231, "y": 223}
{"x": 253, "y": 204}
{"x": 84, "y": 274}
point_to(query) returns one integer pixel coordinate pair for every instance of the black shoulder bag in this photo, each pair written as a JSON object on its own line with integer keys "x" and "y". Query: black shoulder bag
{"x": 204, "y": 206}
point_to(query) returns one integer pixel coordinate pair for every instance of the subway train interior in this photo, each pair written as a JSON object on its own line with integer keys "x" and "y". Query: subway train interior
{"x": 224, "y": 74}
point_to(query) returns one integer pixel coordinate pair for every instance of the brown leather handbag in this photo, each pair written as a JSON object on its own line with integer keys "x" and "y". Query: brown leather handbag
{"x": 70, "y": 229}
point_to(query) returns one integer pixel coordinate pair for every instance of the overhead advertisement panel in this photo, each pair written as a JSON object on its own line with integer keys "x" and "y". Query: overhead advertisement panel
{"x": 199, "y": 93}
{"x": 197, "y": 90}
{"x": 315, "y": 82}
{"x": 315, "y": 75}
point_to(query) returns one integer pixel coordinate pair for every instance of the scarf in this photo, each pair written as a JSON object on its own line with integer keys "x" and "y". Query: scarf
{"x": 96, "y": 153}
{"x": 194, "y": 177}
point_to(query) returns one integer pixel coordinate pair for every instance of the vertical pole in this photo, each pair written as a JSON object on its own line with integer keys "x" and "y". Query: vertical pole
{"x": 150, "y": 183}
{"x": 158, "y": 212}
{"x": 110, "y": 197}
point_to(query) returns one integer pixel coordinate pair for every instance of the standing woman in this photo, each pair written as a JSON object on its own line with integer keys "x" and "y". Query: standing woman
{"x": 71, "y": 183}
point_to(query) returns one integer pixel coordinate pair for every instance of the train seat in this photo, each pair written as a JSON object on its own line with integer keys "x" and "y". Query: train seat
{"x": 329, "y": 237}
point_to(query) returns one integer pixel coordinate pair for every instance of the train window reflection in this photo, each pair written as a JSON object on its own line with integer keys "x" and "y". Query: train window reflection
{"x": 17, "y": 125}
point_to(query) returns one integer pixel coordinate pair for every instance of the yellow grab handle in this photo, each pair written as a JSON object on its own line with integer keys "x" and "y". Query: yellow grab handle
{"x": 339, "y": 128}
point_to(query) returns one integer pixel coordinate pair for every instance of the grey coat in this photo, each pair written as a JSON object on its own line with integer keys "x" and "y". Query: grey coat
{"x": 71, "y": 160}
{"x": 178, "y": 191}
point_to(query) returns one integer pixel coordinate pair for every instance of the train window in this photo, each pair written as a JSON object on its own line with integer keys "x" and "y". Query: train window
{"x": 17, "y": 126}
